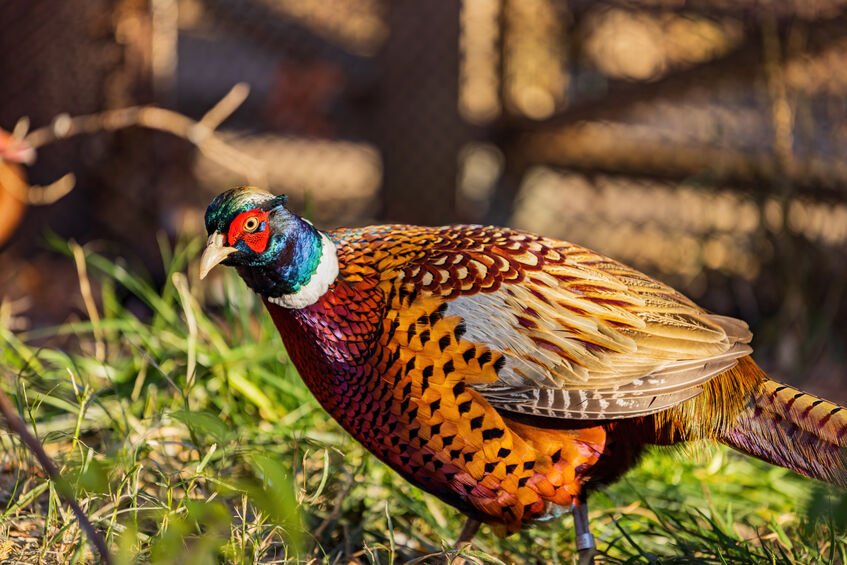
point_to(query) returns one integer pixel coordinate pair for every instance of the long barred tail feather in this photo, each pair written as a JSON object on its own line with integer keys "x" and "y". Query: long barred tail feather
{"x": 744, "y": 409}
{"x": 790, "y": 428}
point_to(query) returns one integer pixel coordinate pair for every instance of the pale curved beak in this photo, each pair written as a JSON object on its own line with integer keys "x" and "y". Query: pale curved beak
{"x": 215, "y": 253}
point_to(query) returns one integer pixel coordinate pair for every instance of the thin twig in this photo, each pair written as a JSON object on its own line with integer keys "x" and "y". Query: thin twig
{"x": 336, "y": 506}
{"x": 16, "y": 424}
{"x": 202, "y": 133}
{"x": 50, "y": 193}
{"x": 225, "y": 107}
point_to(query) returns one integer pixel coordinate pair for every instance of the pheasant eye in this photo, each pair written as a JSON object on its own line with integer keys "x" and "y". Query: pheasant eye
{"x": 251, "y": 224}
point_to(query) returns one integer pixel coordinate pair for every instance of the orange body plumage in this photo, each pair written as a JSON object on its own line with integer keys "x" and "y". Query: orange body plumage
{"x": 507, "y": 373}
{"x": 434, "y": 407}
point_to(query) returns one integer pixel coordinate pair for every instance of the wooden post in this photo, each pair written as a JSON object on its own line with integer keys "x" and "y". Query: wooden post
{"x": 417, "y": 123}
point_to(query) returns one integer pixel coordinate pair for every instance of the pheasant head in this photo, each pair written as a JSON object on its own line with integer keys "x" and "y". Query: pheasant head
{"x": 277, "y": 253}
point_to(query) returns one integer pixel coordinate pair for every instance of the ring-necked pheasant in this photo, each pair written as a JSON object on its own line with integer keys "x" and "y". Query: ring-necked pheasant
{"x": 505, "y": 372}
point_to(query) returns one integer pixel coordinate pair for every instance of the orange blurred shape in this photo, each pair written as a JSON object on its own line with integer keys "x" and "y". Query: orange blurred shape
{"x": 13, "y": 185}
{"x": 12, "y": 193}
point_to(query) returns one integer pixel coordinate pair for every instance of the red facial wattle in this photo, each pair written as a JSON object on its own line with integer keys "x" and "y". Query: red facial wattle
{"x": 257, "y": 240}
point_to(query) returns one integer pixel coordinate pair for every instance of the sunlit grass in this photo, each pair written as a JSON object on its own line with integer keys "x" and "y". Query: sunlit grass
{"x": 189, "y": 438}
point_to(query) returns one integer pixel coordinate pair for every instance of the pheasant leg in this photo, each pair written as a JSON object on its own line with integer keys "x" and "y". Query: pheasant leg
{"x": 586, "y": 549}
{"x": 465, "y": 537}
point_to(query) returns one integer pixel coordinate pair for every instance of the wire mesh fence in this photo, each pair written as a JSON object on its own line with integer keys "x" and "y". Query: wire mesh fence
{"x": 702, "y": 141}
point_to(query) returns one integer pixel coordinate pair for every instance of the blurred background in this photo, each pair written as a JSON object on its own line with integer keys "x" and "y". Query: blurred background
{"x": 702, "y": 141}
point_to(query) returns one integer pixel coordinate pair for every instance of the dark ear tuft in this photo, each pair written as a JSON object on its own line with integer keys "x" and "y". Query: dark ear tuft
{"x": 280, "y": 200}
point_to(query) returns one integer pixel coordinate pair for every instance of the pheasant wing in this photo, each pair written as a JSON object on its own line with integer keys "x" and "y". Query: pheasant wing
{"x": 576, "y": 335}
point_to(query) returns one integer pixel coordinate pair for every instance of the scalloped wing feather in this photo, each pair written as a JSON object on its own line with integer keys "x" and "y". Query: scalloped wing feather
{"x": 582, "y": 336}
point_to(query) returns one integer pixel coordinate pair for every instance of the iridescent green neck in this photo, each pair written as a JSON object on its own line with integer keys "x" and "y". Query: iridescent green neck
{"x": 302, "y": 263}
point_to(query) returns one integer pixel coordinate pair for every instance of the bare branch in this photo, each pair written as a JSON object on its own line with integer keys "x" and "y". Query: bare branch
{"x": 48, "y": 194}
{"x": 202, "y": 133}
{"x": 225, "y": 107}
{"x": 16, "y": 424}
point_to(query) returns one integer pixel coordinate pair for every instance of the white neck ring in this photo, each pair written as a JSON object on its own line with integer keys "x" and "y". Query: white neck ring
{"x": 321, "y": 280}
